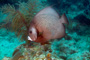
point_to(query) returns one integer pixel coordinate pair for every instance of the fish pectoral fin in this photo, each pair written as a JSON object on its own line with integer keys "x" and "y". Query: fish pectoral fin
{"x": 40, "y": 33}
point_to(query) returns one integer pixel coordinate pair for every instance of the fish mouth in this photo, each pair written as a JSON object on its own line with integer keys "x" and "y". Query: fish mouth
{"x": 29, "y": 38}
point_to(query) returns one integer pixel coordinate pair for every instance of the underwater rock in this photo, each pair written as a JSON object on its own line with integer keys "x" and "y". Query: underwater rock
{"x": 63, "y": 48}
{"x": 84, "y": 55}
{"x": 59, "y": 50}
{"x": 36, "y": 52}
{"x": 6, "y": 58}
{"x": 82, "y": 19}
{"x": 2, "y": 2}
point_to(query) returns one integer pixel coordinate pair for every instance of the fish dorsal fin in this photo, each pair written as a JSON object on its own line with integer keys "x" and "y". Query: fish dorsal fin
{"x": 64, "y": 19}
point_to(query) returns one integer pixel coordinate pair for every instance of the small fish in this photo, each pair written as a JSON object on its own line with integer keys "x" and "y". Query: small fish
{"x": 46, "y": 25}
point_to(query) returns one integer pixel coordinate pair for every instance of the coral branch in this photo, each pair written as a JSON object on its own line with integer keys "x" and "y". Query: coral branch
{"x": 22, "y": 19}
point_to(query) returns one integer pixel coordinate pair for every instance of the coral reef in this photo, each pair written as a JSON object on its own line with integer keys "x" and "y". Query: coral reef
{"x": 36, "y": 52}
{"x": 59, "y": 49}
{"x": 74, "y": 46}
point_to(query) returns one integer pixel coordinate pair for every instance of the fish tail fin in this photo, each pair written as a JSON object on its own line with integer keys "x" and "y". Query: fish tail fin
{"x": 64, "y": 19}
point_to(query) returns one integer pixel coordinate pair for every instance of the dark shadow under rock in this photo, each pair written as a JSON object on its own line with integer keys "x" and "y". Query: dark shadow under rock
{"x": 82, "y": 20}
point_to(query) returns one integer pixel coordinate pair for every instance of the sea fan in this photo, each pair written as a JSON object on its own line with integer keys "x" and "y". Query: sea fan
{"x": 20, "y": 19}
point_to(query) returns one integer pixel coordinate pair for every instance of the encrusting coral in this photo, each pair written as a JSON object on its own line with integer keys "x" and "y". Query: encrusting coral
{"x": 37, "y": 52}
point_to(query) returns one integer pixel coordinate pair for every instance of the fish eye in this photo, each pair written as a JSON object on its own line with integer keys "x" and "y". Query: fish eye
{"x": 30, "y": 31}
